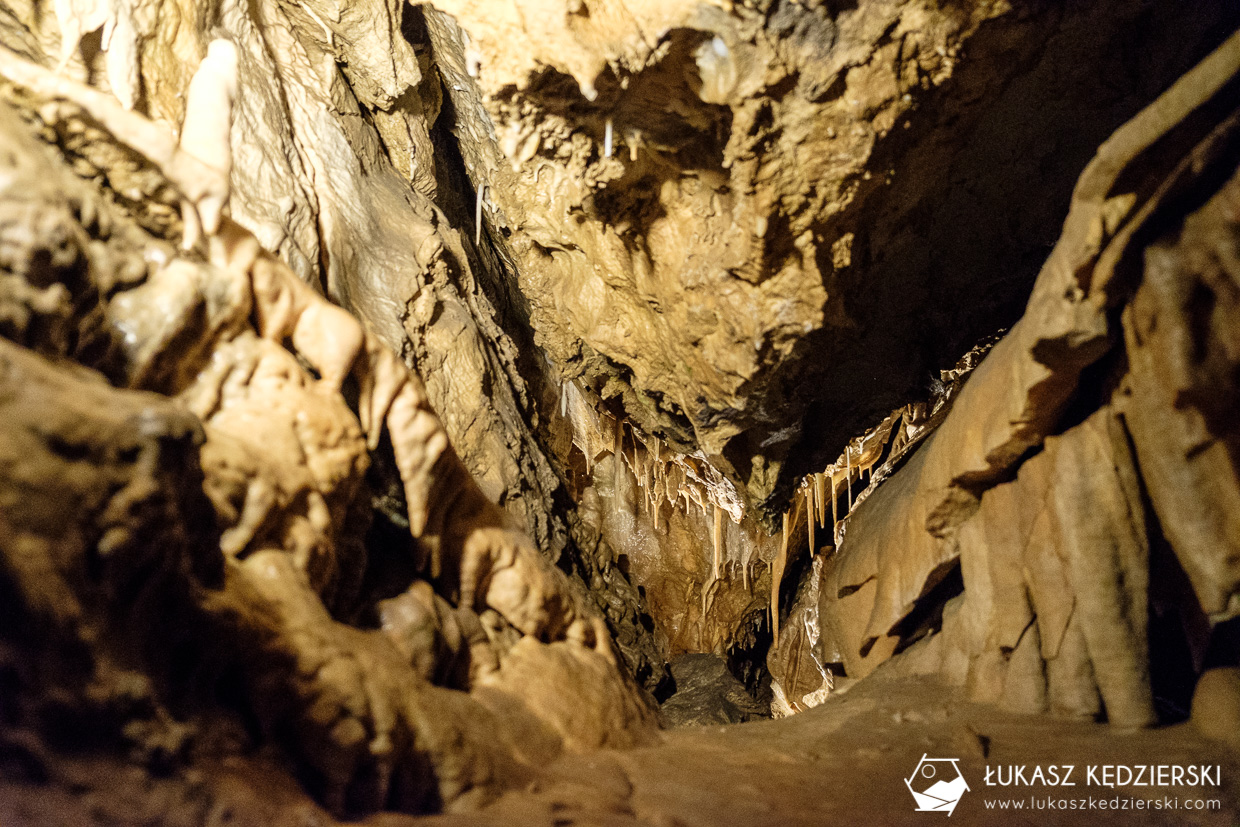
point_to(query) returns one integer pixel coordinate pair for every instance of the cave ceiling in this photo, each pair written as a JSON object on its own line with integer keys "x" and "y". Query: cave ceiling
{"x": 751, "y": 231}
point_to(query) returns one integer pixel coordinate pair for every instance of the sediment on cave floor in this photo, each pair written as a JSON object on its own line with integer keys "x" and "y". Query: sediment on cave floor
{"x": 454, "y": 411}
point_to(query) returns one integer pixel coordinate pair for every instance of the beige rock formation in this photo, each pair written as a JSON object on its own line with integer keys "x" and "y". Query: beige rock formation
{"x": 277, "y": 447}
{"x": 1043, "y": 509}
{"x": 390, "y": 392}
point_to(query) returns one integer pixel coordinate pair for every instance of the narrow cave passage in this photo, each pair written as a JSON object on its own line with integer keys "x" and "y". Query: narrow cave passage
{"x": 562, "y": 412}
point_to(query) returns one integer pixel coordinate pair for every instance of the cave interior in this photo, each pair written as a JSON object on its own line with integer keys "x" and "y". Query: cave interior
{"x": 617, "y": 412}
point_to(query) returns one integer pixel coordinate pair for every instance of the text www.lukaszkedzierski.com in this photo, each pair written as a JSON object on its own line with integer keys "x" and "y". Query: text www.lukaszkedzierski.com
{"x": 1037, "y": 802}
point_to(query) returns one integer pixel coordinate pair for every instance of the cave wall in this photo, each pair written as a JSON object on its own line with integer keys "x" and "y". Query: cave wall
{"x": 197, "y": 448}
{"x": 802, "y": 215}
{"x": 1014, "y": 551}
{"x": 335, "y": 170}
{"x": 375, "y": 377}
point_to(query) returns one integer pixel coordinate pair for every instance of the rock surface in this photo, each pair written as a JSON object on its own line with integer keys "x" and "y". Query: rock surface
{"x": 215, "y": 502}
{"x": 728, "y": 221}
{"x": 390, "y": 393}
{"x": 707, "y": 693}
{"x": 1035, "y": 483}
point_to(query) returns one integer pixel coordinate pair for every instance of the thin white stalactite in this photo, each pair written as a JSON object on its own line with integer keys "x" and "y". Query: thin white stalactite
{"x": 480, "y": 197}
{"x": 777, "y": 574}
{"x": 607, "y": 139}
{"x": 718, "y": 540}
{"x": 327, "y": 32}
{"x": 809, "y": 517}
{"x": 848, "y": 473}
{"x": 820, "y": 498}
{"x": 835, "y": 508}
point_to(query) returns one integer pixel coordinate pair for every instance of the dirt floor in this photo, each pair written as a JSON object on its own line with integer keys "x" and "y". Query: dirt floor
{"x": 845, "y": 763}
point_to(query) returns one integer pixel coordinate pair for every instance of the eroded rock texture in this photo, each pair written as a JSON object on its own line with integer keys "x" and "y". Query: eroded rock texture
{"x": 754, "y": 230}
{"x": 390, "y": 392}
{"x": 744, "y": 234}
{"x": 1013, "y": 551}
{"x": 188, "y": 434}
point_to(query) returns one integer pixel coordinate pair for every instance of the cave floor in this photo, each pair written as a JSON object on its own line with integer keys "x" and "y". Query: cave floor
{"x": 842, "y": 763}
{"x": 845, "y": 763}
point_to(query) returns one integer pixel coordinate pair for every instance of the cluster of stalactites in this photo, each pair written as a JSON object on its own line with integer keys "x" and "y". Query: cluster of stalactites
{"x": 665, "y": 477}
{"x": 824, "y": 499}
{"x": 833, "y": 488}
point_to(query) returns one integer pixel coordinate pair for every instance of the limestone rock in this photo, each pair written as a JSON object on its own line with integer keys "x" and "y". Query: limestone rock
{"x": 721, "y": 215}
{"x": 1055, "y": 562}
{"x": 707, "y": 693}
{"x": 1216, "y": 705}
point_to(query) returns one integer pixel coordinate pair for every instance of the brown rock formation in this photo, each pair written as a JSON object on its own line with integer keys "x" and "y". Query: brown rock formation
{"x": 731, "y": 219}
{"x": 1041, "y": 503}
{"x": 389, "y": 393}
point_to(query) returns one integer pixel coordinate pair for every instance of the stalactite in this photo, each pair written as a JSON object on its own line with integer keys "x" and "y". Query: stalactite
{"x": 777, "y": 574}
{"x": 848, "y": 472}
{"x": 718, "y": 540}
{"x": 634, "y": 140}
{"x": 820, "y": 481}
{"x": 835, "y": 506}
{"x": 809, "y": 517}
{"x": 607, "y": 139}
{"x": 481, "y": 196}
{"x": 328, "y": 34}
